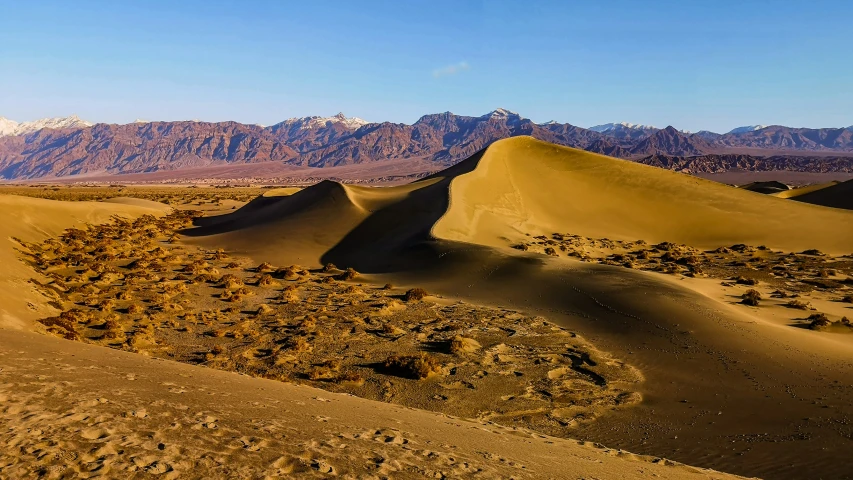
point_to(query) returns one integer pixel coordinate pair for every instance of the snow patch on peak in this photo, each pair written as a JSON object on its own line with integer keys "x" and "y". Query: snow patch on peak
{"x": 748, "y": 128}
{"x": 7, "y": 127}
{"x": 616, "y": 126}
{"x": 11, "y": 127}
{"x": 305, "y": 123}
{"x": 501, "y": 113}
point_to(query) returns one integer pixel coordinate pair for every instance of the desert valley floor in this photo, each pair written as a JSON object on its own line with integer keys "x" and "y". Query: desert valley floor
{"x": 535, "y": 311}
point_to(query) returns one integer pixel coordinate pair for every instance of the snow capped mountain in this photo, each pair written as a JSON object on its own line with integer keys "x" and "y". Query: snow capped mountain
{"x": 306, "y": 123}
{"x": 621, "y": 125}
{"x": 11, "y": 127}
{"x": 501, "y": 113}
{"x": 748, "y": 128}
{"x": 7, "y": 127}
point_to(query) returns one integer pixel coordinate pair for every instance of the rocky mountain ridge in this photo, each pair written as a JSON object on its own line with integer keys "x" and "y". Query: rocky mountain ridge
{"x": 77, "y": 149}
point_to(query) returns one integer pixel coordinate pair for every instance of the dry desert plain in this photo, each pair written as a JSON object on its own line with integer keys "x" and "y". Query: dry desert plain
{"x": 508, "y": 317}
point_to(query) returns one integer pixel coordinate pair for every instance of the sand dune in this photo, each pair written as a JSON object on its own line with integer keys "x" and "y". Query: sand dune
{"x": 450, "y": 233}
{"x": 517, "y": 187}
{"x": 837, "y": 195}
{"x": 725, "y": 386}
{"x": 33, "y": 219}
{"x": 71, "y": 410}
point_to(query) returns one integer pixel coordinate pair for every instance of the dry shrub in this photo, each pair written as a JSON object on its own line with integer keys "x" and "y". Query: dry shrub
{"x": 232, "y": 265}
{"x": 298, "y": 345}
{"x": 751, "y": 297}
{"x": 329, "y": 267}
{"x": 287, "y": 273}
{"x": 135, "y": 309}
{"x": 264, "y": 309}
{"x": 351, "y": 290}
{"x": 819, "y": 321}
{"x": 307, "y": 324}
{"x": 350, "y": 378}
{"x": 412, "y": 366}
{"x": 231, "y": 282}
{"x": 265, "y": 267}
{"x": 106, "y": 305}
{"x": 461, "y": 344}
{"x": 348, "y": 274}
{"x": 265, "y": 280}
{"x": 387, "y": 286}
{"x": 550, "y": 251}
{"x": 798, "y": 304}
{"x": 391, "y": 330}
{"x": 847, "y": 299}
{"x": 415, "y": 294}
{"x": 327, "y": 370}
{"x": 746, "y": 281}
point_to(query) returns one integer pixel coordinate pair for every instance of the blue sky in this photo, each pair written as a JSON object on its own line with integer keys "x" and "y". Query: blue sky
{"x": 692, "y": 64}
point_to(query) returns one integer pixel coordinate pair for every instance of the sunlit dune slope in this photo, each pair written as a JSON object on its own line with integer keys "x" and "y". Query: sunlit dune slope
{"x": 522, "y": 186}
{"x": 839, "y": 195}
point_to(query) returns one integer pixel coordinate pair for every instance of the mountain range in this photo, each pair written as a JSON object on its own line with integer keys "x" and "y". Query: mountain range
{"x": 71, "y": 146}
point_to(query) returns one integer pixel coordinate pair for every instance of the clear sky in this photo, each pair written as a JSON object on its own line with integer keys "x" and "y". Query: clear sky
{"x": 692, "y": 64}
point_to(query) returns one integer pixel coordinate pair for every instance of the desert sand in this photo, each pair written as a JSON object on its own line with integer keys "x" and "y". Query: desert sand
{"x": 711, "y": 381}
{"x": 76, "y": 410}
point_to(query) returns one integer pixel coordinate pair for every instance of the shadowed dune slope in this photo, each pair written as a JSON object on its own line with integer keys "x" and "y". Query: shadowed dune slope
{"x": 515, "y": 187}
{"x": 796, "y": 192}
{"x": 839, "y": 195}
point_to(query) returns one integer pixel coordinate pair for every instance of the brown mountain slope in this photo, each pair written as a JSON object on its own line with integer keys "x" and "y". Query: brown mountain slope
{"x": 138, "y": 147}
{"x": 443, "y": 138}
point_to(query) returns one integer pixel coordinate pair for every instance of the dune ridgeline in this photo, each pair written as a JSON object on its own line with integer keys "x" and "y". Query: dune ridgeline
{"x": 518, "y": 187}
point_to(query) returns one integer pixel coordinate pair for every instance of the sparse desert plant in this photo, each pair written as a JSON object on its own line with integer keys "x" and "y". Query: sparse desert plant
{"x": 415, "y": 294}
{"x": 351, "y": 290}
{"x": 798, "y": 304}
{"x": 265, "y": 267}
{"x": 287, "y": 273}
{"x": 819, "y": 321}
{"x": 264, "y": 309}
{"x": 751, "y": 297}
{"x": 391, "y": 330}
{"x": 327, "y": 370}
{"x": 329, "y": 267}
{"x": 351, "y": 378}
{"x": 387, "y": 286}
{"x": 746, "y": 280}
{"x": 348, "y": 274}
{"x": 298, "y": 344}
{"x": 231, "y": 282}
{"x": 550, "y": 251}
{"x": 417, "y": 367}
{"x": 461, "y": 344}
{"x": 135, "y": 309}
{"x": 265, "y": 280}
{"x": 847, "y": 299}
{"x": 232, "y": 265}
